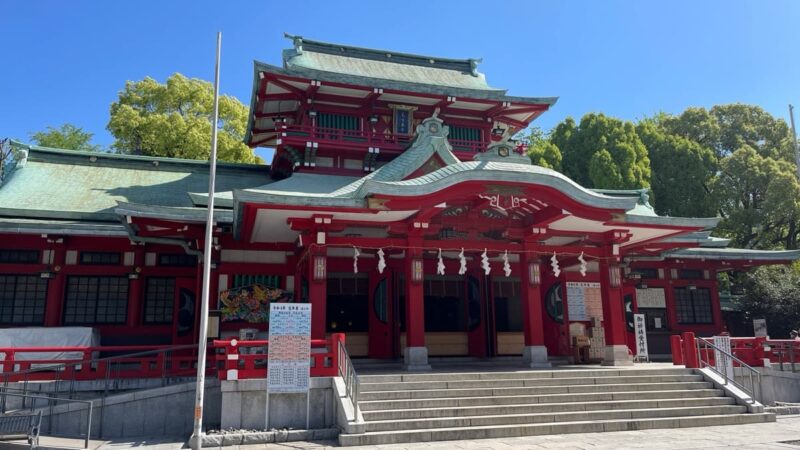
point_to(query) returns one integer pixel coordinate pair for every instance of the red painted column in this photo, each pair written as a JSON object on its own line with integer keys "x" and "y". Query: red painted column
{"x": 613, "y": 314}
{"x": 318, "y": 291}
{"x": 136, "y": 290}
{"x": 416, "y": 354}
{"x": 56, "y": 288}
{"x": 535, "y": 352}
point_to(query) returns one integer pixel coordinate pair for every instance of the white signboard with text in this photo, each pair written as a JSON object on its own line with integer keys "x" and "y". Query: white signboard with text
{"x": 582, "y": 299}
{"x": 288, "y": 363}
{"x": 723, "y": 363}
{"x": 641, "y": 336}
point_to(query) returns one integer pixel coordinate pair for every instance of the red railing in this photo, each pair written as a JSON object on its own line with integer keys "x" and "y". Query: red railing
{"x": 239, "y": 360}
{"x": 134, "y": 361}
{"x": 319, "y": 134}
{"x": 751, "y": 350}
{"x": 228, "y": 359}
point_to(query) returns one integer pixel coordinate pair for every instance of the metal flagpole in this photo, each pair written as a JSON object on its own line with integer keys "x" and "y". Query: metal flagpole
{"x": 795, "y": 144}
{"x": 201, "y": 345}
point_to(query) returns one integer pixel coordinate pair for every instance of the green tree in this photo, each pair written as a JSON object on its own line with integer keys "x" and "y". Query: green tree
{"x": 759, "y": 200}
{"x": 173, "y": 119}
{"x": 541, "y": 151}
{"x": 682, "y": 171}
{"x": 773, "y": 293}
{"x": 602, "y": 152}
{"x": 66, "y": 136}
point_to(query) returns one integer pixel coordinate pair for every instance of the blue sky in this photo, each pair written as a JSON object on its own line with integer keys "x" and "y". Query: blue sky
{"x": 66, "y": 61}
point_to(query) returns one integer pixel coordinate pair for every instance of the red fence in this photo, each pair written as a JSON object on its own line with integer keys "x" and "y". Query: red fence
{"x": 367, "y": 137}
{"x": 134, "y": 361}
{"x": 751, "y": 350}
{"x": 239, "y": 360}
{"x": 227, "y": 359}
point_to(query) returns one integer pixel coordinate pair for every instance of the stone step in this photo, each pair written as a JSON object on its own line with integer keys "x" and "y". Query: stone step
{"x": 528, "y": 399}
{"x": 486, "y": 392}
{"x": 500, "y": 431}
{"x": 521, "y": 374}
{"x": 538, "y": 408}
{"x": 493, "y": 383}
{"x": 574, "y": 416}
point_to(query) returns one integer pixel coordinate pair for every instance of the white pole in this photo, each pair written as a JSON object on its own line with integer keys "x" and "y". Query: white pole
{"x": 201, "y": 345}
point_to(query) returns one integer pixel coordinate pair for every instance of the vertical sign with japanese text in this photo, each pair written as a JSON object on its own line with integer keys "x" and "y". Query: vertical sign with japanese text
{"x": 722, "y": 362}
{"x": 288, "y": 363}
{"x": 641, "y": 336}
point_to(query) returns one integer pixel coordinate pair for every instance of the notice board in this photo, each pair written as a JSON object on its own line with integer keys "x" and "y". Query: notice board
{"x": 583, "y": 300}
{"x": 288, "y": 363}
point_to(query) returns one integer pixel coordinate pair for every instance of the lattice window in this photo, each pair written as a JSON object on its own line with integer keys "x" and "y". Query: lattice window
{"x": 19, "y": 256}
{"x": 690, "y": 274}
{"x": 465, "y": 133}
{"x": 100, "y": 258}
{"x": 693, "y": 306}
{"x": 159, "y": 300}
{"x": 338, "y": 121}
{"x": 177, "y": 260}
{"x": 96, "y": 300}
{"x": 22, "y": 299}
{"x": 273, "y": 281}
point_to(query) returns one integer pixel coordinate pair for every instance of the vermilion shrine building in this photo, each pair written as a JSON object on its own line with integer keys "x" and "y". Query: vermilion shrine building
{"x": 395, "y": 205}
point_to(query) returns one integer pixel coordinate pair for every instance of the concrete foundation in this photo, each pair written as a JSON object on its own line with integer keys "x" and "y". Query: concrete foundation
{"x": 535, "y": 356}
{"x": 776, "y": 385}
{"x": 243, "y": 406}
{"x": 416, "y": 359}
{"x": 617, "y": 355}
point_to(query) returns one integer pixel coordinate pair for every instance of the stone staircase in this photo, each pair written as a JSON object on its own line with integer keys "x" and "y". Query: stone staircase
{"x": 457, "y": 406}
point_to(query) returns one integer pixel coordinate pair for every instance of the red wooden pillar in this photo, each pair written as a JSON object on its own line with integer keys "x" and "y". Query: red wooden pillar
{"x": 416, "y": 354}
{"x": 135, "y": 290}
{"x": 716, "y": 305}
{"x": 318, "y": 291}
{"x": 56, "y": 288}
{"x": 535, "y": 352}
{"x": 616, "y": 352}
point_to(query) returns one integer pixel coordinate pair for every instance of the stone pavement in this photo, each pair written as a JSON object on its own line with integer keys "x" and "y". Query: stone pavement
{"x": 774, "y": 435}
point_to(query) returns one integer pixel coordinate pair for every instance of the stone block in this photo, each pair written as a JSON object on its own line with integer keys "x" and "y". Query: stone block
{"x": 416, "y": 359}
{"x": 535, "y": 356}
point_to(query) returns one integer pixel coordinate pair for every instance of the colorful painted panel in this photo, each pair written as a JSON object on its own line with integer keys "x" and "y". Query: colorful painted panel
{"x": 250, "y": 303}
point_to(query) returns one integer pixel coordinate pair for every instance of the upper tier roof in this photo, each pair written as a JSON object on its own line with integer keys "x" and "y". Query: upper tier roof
{"x": 384, "y": 64}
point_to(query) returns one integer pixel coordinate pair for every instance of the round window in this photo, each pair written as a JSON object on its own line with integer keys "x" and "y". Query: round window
{"x": 554, "y": 303}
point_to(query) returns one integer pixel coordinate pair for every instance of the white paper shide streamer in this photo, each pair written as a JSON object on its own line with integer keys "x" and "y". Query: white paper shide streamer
{"x": 506, "y": 265}
{"x": 485, "y": 263}
{"x": 356, "y": 254}
{"x": 381, "y": 261}
{"x": 440, "y": 264}
{"x": 583, "y": 265}
{"x": 554, "y": 265}
{"x": 462, "y": 269}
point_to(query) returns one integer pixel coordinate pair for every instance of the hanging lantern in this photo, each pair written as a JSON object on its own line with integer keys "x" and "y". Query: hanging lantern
{"x": 554, "y": 265}
{"x": 534, "y": 274}
{"x": 487, "y": 269}
{"x": 440, "y": 264}
{"x": 416, "y": 270}
{"x": 462, "y": 269}
{"x": 356, "y": 253}
{"x": 381, "y": 261}
{"x": 506, "y": 265}
{"x": 319, "y": 267}
{"x": 583, "y": 265}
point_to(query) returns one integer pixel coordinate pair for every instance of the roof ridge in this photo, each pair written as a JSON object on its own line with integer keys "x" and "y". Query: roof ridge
{"x": 301, "y": 44}
{"x": 135, "y": 158}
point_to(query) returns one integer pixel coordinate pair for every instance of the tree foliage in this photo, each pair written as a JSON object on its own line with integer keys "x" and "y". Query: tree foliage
{"x": 773, "y": 293}
{"x": 682, "y": 170}
{"x": 67, "y": 136}
{"x": 602, "y": 152}
{"x": 173, "y": 119}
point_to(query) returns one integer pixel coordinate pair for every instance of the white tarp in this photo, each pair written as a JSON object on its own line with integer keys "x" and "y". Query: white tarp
{"x": 48, "y": 337}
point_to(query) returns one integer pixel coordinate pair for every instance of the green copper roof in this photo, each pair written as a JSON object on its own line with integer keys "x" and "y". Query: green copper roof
{"x": 735, "y": 254}
{"x": 72, "y": 185}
